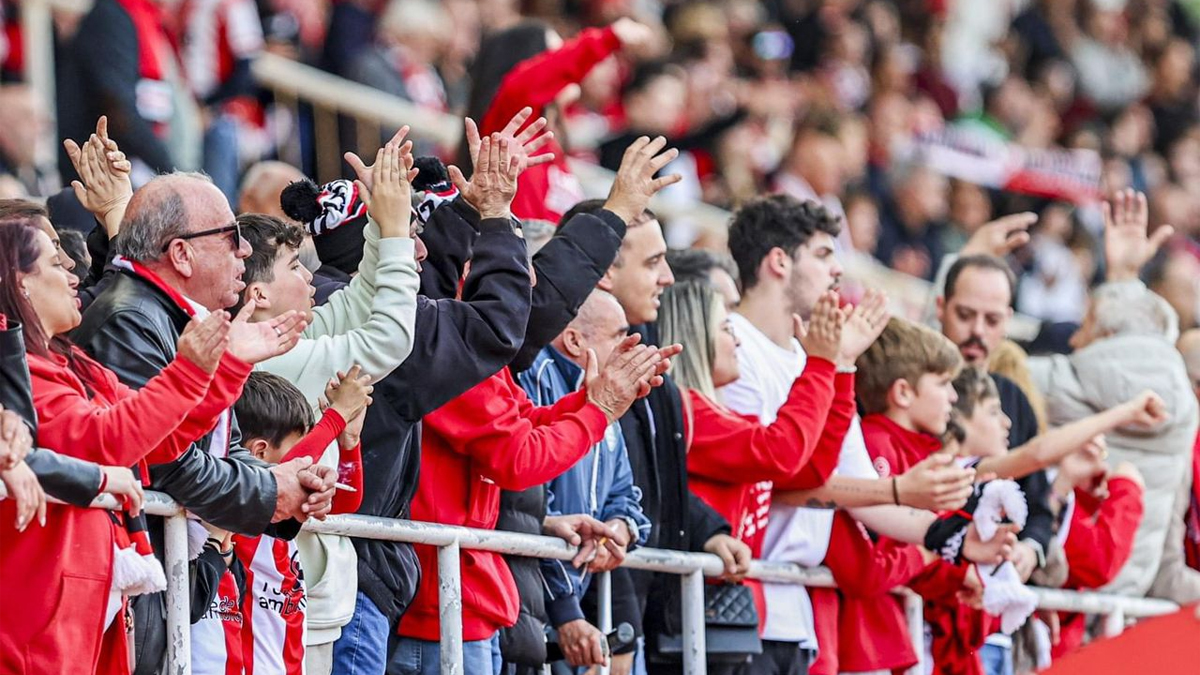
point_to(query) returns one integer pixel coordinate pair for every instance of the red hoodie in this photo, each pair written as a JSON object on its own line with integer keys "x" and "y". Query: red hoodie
{"x": 65, "y": 568}
{"x": 1098, "y": 545}
{"x": 548, "y": 191}
{"x": 489, "y": 439}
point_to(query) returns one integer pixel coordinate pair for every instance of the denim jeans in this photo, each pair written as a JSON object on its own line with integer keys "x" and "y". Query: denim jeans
{"x": 996, "y": 660}
{"x": 362, "y": 648}
{"x": 422, "y": 657}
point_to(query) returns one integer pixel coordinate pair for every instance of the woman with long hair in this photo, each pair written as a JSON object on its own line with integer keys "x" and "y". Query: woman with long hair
{"x": 69, "y": 575}
{"x": 734, "y": 460}
{"x": 529, "y": 65}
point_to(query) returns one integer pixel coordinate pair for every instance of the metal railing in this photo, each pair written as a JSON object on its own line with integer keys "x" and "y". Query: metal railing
{"x": 691, "y": 567}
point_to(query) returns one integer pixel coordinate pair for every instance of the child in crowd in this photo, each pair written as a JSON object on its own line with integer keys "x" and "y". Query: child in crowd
{"x": 248, "y": 599}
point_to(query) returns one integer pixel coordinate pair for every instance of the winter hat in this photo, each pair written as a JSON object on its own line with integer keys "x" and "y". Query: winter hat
{"x": 135, "y": 569}
{"x": 434, "y": 184}
{"x": 335, "y": 217}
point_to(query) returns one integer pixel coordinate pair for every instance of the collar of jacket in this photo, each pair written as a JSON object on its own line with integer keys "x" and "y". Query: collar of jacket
{"x": 571, "y": 373}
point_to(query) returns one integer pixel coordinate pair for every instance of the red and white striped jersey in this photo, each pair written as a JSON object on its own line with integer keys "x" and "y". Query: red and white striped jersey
{"x": 273, "y": 633}
{"x": 216, "y": 33}
{"x": 217, "y": 636}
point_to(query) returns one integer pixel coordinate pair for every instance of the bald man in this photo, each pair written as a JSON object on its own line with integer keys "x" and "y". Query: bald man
{"x": 261, "y": 187}
{"x": 600, "y": 485}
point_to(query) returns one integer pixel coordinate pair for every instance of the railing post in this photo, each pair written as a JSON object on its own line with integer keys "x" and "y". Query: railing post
{"x": 914, "y": 615}
{"x": 694, "y": 649}
{"x": 604, "y": 607}
{"x": 450, "y": 604}
{"x": 179, "y": 624}
{"x": 1114, "y": 622}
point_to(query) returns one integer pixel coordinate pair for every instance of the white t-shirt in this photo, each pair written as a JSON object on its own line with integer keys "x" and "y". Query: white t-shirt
{"x": 796, "y": 535}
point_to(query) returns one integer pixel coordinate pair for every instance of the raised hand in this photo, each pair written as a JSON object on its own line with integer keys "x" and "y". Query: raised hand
{"x": 255, "y": 342}
{"x": 522, "y": 143}
{"x": 935, "y": 484}
{"x": 863, "y": 325}
{"x": 633, "y": 35}
{"x": 822, "y": 338}
{"x": 494, "y": 183}
{"x": 389, "y": 195}
{"x": 104, "y": 187}
{"x": 1001, "y": 236}
{"x": 204, "y": 342}
{"x": 365, "y": 172}
{"x": 615, "y": 387}
{"x": 1147, "y": 409}
{"x": 635, "y": 183}
{"x": 1127, "y": 246}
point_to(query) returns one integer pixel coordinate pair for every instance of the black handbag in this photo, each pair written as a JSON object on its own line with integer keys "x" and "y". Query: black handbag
{"x": 730, "y": 627}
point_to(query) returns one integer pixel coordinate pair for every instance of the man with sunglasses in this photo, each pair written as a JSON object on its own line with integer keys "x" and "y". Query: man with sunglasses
{"x": 181, "y": 255}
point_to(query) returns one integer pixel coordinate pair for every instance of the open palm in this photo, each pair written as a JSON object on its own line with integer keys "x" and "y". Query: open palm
{"x": 255, "y": 342}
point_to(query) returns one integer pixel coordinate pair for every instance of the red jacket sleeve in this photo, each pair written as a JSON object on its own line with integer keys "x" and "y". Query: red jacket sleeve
{"x": 515, "y": 444}
{"x": 824, "y": 459}
{"x": 223, "y": 392}
{"x": 940, "y": 582}
{"x": 537, "y": 80}
{"x": 1101, "y": 537}
{"x": 727, "y": 446}
{"x": 866, "y": 569}
{"x": 119, "y": 434}
{"x": 350, "y": 472}
{"x": 317, "y": 440}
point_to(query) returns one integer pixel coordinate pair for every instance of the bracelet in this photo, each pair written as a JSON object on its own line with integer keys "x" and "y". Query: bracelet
{"x": 216, "y": 544}
{"x": 846, "y": 370}
{"x": 895, "y": 492}
{"x": 103, "y": 482}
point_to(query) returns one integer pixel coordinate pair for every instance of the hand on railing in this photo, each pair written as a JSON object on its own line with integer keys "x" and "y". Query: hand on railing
{"x": 120, "y": 482}
{"x": 303, "y": 490}
{"x": 635, "y": 183}
{"x": 733, "y": 552}
{"x": 23, "y": 486}
{"x": 15, "y": 439}
{"x": 581, "y": 530}
{"x": 105, "y": 188}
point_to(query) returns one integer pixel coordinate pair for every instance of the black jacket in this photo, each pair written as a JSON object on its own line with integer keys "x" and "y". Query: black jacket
{"x": 1040, "y": 525}
{"x": 74, "y": 481}
{"x": 458, "y": 344}
{"x": 132, "y": 328}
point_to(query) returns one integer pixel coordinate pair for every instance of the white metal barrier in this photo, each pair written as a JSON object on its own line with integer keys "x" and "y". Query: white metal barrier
{"x": 691, "y": 567}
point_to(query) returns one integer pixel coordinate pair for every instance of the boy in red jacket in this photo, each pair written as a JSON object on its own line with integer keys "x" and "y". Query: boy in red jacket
{"x": 248, "y": 604}
{"x": 904, "y": 388}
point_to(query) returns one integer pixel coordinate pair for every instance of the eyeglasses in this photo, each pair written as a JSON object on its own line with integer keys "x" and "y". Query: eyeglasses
{"x": 235, "y": 239}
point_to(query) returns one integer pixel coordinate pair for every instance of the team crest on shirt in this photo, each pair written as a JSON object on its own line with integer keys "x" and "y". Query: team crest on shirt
{"x": 882, "y": 467}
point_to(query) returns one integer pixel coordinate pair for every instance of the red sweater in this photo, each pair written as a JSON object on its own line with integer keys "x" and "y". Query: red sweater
{"x": 1098, "y": 545}
{"x": 314, "y": 444}
{"x": 65, "y": 568}
{"x": 489, "y": 439}
{"x": 547, "y": 191}
{"x": 958, "y": 631}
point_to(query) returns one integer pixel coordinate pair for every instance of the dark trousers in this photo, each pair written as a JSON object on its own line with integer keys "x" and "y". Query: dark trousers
{"x": 779, "y": 658}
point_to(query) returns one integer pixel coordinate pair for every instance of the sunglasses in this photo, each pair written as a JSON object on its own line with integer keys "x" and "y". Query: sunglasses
{"x": 235, "y": 238}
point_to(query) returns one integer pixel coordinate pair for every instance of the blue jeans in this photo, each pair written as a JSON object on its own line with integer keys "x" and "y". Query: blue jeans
{"x": 362, "y": 648}
{"x": 996, "y": 660}
{"x": 422, "y": 657}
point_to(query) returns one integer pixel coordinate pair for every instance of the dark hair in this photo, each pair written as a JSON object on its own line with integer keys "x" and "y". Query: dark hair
{"x": 698, "y": 263}
{"x": 593, "y": 207}
{"x": 73, "y": 245}
{"x": 499, "y": 54}
{"x": 777, "y": 221}
{"x": 271, "y": 408}
{"x": 13, "y": 209}
{"x": 904, "y": 351}
{"x": 19, "y": 253}
{"x": 266, "y": 235}
{"x": 645, "y": 74}
{"x": 984, "y": 262}
{"x": 973, "y": 386}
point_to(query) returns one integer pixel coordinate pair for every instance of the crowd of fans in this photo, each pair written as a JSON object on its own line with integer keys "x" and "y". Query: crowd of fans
{"x": 455, "y": 335}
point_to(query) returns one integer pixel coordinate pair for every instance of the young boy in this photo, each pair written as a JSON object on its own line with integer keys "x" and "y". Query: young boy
{"x": 253, "y": 587}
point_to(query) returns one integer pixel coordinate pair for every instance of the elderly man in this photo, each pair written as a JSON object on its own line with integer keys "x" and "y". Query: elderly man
{"x": 600, "y": 485}
{"x": 1125, "y": 345}
{"x": 183, "y": 256}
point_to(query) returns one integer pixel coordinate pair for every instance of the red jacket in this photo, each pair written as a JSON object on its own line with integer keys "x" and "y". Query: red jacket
{"x": 60, "y": 574}
{"x": 1098, "y": 545}
{"x": 958, "y": 631}
{"x": 548, "y": 191}
{"x": 489, "y": 439}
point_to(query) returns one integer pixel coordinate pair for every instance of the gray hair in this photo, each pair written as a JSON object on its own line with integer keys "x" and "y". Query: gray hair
{"x": 1129, "y": 308}
{"x": 156, "y": 214}
{"x": 686, "y": 317}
